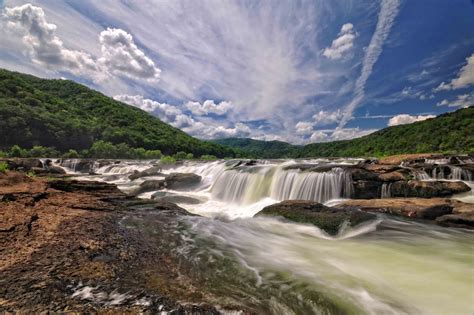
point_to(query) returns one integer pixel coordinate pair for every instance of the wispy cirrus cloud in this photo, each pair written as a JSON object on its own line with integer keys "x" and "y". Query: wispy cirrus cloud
{"x": 388, "y": 12}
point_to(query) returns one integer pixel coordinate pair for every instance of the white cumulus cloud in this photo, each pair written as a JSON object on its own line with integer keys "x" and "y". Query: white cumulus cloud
{"x": 44, "y": 46}
{"x": 403, "y": 119}
{"x": 465, "y": 77}
{"x": 342, "y": 44}
{"x": 120, "y": 55}
{"x": 209, "y": 107}
{"x": 324, "y": 118}
{"x": 304, "y": 128}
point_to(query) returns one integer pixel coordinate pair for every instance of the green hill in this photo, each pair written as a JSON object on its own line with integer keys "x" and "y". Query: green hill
{"x": 67, "y": 115}
{"x": 260, "y": 149}
{"x": 448, "y": 133}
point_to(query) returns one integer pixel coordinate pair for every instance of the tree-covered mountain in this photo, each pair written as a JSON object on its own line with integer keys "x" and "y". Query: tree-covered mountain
{"x": 67, "y": 115}
{"x": 448, "y": 133}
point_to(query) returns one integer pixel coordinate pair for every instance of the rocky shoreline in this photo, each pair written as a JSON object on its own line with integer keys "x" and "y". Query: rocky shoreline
{"x": 64, "y": 250}
{"x": 67, "y": 246}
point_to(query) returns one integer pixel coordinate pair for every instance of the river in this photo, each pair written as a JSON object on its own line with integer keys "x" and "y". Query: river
{"x": 388, "y": 266}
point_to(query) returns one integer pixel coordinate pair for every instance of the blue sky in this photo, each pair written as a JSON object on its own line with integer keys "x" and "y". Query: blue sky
{"x": 297, "y": 71}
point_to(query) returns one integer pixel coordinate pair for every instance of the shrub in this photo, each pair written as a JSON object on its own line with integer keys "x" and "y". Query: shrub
{"x": 207, "y": 157}
{"x": 18, "y": 152}
{"x": 180, "y": 155}
{"x": 3, "y": 167}
{"x": 168, "y": 160}
{"x": 71, "y": 154}
{"x": 189, "y": 156}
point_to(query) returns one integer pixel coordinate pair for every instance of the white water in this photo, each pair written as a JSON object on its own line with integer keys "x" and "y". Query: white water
{"x": 385, "y": 267}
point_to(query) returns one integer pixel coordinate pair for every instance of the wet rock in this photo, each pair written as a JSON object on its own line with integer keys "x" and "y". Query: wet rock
{"x": 363, "y": 174}
{"x": 48, "y": 170}
{"x": 150, "y": 185}
{"x": 460, "y": 220}
{"x": 152, "y": 171}
{"x": 180, "y": 181}
{"x": 179, "y": 199}
{"x": 427, "y": 189}
{"x": 325, "y": 218}
{"x": 98, "y": 188}
{"x": 394, "y": 176}
{"x": 366, "y": 189}
{"x": 418, "y": 208}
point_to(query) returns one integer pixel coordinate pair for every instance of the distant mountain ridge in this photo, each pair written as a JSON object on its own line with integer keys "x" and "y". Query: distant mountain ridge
{"x": 67, "y": 115}
{"x": 447, "y": 133}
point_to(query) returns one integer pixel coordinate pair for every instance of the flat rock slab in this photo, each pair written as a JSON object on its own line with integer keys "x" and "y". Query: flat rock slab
{"x": 419, "y": 208}
{"x": 325, "y": 218}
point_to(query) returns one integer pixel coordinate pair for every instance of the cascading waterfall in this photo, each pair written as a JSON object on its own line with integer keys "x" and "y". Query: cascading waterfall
{"x": 249, "y": 185}
{"x": 455, "y": 173}
{"x": 386, "y": 190}
{"x": 70, "y": 164}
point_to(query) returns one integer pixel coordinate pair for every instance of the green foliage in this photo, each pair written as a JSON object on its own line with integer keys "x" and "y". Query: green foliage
{"x": 71, "y": 154}
{"x": 180, "y": 155}
{"x": 448, "y": 133}
{"x": 66, "y": 115}
{"x": 168, "y": 160}
{"x": 208, "y": 157}
{"x": 3, "y": 154}
{"x": 17, "y": 152}
{"x": 3, "y": 167}
{"x": 40, "y": 151}
{"x": 189, "y": 156}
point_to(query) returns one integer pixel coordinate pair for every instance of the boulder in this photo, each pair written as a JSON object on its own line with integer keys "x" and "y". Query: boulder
{"x": 427, "y": 189}
{"x": 393, "y": 176}
{"x": 152, "y": 171}
{"x": 362, "y": 174}
{"x": 325, "y": 218}
{"x": 149, "y": 185}
{"x": 48, "y": 170}
{"x": 428, "y": 209}
{"x": 182, "y": 181}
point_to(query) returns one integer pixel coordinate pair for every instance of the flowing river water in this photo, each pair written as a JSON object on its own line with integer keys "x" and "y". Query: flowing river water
{"x": 388, "y": 266}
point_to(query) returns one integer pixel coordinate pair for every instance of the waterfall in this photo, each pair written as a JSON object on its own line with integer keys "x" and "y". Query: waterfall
{"x": 455, "y": 173}
{"x": 386, "y": 190}
{"x": 70, "y": 164}
{"x": 248, "y": 185}
{"x": 437, "y": 161}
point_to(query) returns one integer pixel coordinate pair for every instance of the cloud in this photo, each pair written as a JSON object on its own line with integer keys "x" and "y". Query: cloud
{"x": 464, "y": 100}
{"x": 174, "y": 116}
{"x": 304, "y": 128}
{"x": 324, "y": 118}
{"x": 388, "y": 12}
{"x": 465, "y": 77}
{"x": 403, "y": 119}
{"x": 318, "y": 136}
{"x": 349, "y": 133}
{"x": 342, "y": 44}
{"x": 209, "y": 107}
{"x": 121, "y": 56}
{"x": 44, "y": 46}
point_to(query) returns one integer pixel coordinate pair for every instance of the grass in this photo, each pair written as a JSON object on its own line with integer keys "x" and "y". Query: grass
{"x": 3, "y": 167}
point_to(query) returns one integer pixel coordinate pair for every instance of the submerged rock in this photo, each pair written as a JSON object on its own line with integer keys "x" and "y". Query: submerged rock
{"x": 179, "y": 199}
{"x": 325, "y": 218}
{"x": 460, "y": 220}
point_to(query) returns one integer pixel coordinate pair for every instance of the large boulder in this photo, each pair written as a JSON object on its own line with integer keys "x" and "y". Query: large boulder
{"x": 325, "y": 218}
{"x": 152, "y": 171}
{"x": 419, "y": 208}
{"x": 182, "y": 181}
{"x": 394, "y": 176}
{"x": 363, "y": 174}
{"x": 427, "y": 189}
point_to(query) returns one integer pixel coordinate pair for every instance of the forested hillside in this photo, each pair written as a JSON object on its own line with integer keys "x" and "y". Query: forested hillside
{"x": 67, "y": 115}
{"x": 447, "y": 133}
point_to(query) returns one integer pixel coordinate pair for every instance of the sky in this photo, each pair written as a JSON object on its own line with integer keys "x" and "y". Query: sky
{"x": 295, "y": 71}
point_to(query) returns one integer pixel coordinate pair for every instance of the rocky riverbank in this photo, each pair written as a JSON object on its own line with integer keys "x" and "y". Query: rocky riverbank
{"x": 64, "y": 249}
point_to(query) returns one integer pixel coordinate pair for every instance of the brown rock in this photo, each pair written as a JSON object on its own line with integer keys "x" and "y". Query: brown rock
{"x": 418, "y": 208}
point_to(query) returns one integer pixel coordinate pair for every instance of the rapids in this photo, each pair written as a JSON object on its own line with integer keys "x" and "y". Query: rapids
{"x": 389, "y": 266}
